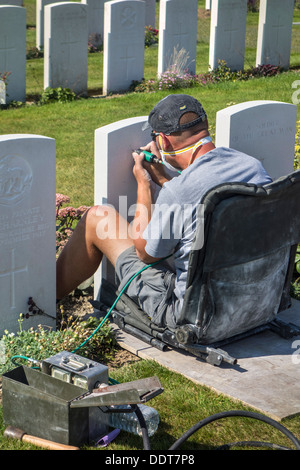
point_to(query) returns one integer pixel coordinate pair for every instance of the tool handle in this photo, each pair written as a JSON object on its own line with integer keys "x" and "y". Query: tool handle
{"x": 38, "y": 441}
{"x": 148, "y": 156}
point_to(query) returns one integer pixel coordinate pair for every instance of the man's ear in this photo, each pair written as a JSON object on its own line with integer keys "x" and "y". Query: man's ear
{"x": 165, "y": 142}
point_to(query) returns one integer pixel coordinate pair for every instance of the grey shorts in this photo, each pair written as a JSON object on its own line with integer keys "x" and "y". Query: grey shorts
{"x": 152, "y": 289}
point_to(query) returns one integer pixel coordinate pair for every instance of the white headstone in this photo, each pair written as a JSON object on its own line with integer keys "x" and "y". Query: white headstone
{"x": 95, "y": 20}
{"x": 66, "y": 46}
{"x": 177, "y": 31}
{"x": 40, "y": 4}
{"x": 228, "y": 33}
{"x": 27, "y": 230}
{"x": 275, "y": 32}
{"x": 150, "y": 13}
{"x": 124, "y": 44}
{"x": 207, "y": 4}
{"x": 13, "y": 51}
{"x": 16, "y": 3}
{"x": 263, "y": 129}
{"x": 2, "y": 92}
{"x": 114, "y": 181}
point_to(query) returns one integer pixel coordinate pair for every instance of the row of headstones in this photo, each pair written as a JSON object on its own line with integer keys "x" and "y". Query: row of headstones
{"x": 66, "y": 37}
{"x": 228, "y": 32}
{"x": 264, "y": 129}
{"x": 66, "y": 30}
{"x": 95, "y": 19}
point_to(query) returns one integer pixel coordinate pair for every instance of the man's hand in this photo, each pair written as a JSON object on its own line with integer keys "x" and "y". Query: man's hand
{"x": 152, "y": 171}
{"x": 144, "y": 173}
{"x": 141, "y": 174}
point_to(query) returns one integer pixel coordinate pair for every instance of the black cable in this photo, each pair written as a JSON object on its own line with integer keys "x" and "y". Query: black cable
{"x": 252, "y": 444}
{"x": 215, "y": 417}
{"x": 226, "y": 414}
{"x": 143, "y": 425}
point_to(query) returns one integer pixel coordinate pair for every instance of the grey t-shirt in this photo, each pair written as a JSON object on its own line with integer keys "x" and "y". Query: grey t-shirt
{"x": 173, "y": 222}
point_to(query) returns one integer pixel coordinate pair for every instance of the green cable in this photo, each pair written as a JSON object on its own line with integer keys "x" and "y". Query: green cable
{"x": 113, "y": 305}
{"x": 19, "y": 356}
{"x": 104, "y": 319}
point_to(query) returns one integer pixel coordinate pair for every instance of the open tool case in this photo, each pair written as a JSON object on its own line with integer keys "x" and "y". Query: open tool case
{"x": 67, "y": 398}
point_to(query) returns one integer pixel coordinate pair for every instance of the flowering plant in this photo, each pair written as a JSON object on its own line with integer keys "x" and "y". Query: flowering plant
{"x": 297, "y": 148}
{"x": 178, "y": 76}
{"x": 4, "y": 76}
{"x": 67, "y": 218}
{"x": 151, "y": 36}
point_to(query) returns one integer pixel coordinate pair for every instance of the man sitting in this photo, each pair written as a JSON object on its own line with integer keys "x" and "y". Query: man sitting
{"x": 162, "y": 229}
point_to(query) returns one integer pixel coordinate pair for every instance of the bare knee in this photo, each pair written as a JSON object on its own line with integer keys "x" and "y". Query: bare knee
{"x": 101, "y": 217}
{"x": 99, "y": 211}
{"x": 95, "y": 214}
{"x": 105, "y": 222}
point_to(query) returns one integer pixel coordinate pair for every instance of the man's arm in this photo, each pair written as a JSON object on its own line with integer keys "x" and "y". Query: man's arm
{"x": 144, "y": 203}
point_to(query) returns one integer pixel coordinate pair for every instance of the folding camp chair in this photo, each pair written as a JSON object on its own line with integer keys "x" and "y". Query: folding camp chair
{"x": 238, "y": 278}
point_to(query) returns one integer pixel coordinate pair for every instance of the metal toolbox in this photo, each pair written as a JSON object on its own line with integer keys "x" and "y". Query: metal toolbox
{"x": 47, "y": 404}
{"x": 41, "y": 405}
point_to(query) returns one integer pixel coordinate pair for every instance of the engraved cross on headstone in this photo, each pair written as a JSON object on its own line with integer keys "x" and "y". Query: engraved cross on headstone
{"x": 229, "y": 29}
{"x": 279, "y": 30}
{"x": 67, "y": 44}
{"x": 181, "y": 30}
{"x": 129, "y": 60}
{"x": 12, "y": 272}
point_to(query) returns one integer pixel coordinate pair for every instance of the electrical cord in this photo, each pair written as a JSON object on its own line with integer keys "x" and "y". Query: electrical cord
{"x": 29, "y": 359}
{"x": 115, "y": 302}
{"x": 200, "y": 424}
{"x": 206, "y": 421}
{"x": 111, "y": 381}
{"x": 248, "y": 414}
{"x": 106, "y": 316}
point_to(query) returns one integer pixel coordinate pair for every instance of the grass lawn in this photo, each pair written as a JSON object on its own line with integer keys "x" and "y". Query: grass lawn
{"x": 182, "y": 405}
{"x": 73, "y": 124}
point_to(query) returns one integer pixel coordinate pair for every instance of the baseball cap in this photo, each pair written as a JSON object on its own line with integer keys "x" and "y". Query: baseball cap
{"x": 166, "y": 114}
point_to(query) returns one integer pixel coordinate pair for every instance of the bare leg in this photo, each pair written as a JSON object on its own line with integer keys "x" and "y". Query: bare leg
{"x": 101, "y": 231}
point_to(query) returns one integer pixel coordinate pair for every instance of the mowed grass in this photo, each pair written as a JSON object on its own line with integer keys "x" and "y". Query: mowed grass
{"x": 183, "y": 403}
{"x": 181, "y": 406}
{"x": 72, "y": 125}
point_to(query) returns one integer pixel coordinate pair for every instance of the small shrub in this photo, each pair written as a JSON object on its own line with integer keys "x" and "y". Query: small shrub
{"x": 178, "y": 77}
{"x": 297, "y": 260}
{"x": 60, "y": 95}
{"x": 151, "y": 36}
{"x": 40, "y": 343}
{"x": 4, "y": 76}
{"x": 297, "y": 148}
{"x": 253, "y": 5}
{"x": 266, "y": 70}
{"x": 95, "y": 43}
{"x": 34, "y": 53}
